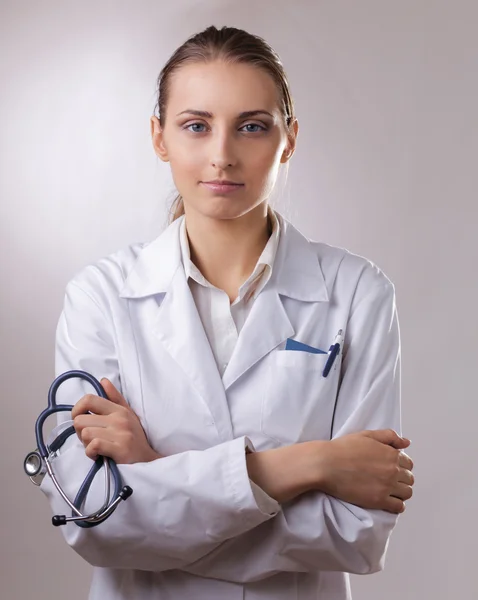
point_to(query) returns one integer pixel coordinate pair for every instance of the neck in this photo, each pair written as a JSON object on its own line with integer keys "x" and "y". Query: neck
{"x": 227, "y": 250}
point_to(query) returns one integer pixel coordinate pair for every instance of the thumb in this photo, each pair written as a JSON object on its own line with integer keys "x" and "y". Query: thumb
{"x": 113, "y": 394}
{"x": 389, "y": 437}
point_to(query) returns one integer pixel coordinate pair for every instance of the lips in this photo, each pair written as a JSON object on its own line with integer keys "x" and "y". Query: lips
{"x": 223, "y": 182}
{"x": 222, "y": 187}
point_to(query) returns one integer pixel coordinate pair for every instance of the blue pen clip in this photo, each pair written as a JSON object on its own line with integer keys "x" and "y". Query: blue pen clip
{"x": 334, "y": 351}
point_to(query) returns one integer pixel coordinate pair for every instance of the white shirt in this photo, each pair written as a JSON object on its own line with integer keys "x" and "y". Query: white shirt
{"x": 222, "y": 320}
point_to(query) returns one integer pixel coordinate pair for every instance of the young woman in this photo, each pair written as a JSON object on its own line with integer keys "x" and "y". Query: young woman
{"x": 256, "y": 474}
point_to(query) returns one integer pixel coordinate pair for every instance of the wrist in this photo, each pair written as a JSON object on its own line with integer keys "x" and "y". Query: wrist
{"x": 287, "y": 472}
{"x": 151, "y": 455}
{"x": 316, "y": 460}
{"x": 271, "y": 470}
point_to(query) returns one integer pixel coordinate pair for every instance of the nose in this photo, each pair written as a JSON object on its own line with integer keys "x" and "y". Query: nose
{"x": 220, "y": 164}
{"x": 222, "y": 151}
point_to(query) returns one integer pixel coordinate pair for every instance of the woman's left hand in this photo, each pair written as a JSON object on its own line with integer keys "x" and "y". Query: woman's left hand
{"x": 113, "y": 429}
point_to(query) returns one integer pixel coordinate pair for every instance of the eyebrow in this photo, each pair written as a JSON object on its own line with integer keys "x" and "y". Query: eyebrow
{"x": 243, "y": 115}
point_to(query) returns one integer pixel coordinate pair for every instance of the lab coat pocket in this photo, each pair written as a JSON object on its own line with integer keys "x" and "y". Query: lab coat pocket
{"x": 298, "y": 402}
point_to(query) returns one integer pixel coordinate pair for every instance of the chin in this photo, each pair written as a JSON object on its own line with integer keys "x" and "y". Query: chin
{"x": 222, "y": 207}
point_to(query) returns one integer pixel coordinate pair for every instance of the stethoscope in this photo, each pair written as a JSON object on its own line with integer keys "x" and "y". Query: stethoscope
{"x": 39, "y": 462}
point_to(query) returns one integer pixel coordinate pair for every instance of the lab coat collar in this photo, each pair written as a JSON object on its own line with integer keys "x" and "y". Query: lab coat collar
{"x": 156, "y": 265}
{"x": 296, "y": 274}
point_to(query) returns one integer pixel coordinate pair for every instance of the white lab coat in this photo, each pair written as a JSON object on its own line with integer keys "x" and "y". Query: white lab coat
{"x": 192, "y": 530}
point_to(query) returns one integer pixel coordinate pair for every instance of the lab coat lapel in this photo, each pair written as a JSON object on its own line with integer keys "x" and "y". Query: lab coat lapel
{"x": 179, "y": 327}
{"x": 175, "y": 321}
{"x": 266, "y": 326}
{"x": 296, "y": 274}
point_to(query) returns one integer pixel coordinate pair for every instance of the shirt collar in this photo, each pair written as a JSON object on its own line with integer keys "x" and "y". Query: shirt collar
{"x": 190, "y": 268}
{"x": 261, "y": 273}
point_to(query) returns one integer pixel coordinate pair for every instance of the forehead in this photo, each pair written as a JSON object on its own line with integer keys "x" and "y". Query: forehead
{"x": 222, "y": 88}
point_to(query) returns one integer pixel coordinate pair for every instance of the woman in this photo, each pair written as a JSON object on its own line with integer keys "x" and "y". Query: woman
{"x": 254, "y": 475}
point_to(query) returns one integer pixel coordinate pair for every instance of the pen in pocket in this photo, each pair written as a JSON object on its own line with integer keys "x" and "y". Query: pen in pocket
{"x": 333, "y": 352}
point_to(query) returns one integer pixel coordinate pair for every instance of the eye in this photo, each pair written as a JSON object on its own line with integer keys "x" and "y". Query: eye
{"x": 195, "y": 125}
{"x": 250, "y": 127}
{"x": 261, "y": 128}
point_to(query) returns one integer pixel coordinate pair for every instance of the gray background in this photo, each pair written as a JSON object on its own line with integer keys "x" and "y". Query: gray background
{"x": 386, "y": 95}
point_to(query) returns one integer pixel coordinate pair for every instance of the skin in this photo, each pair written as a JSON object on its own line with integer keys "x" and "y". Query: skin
{"x": 227, "y": 234}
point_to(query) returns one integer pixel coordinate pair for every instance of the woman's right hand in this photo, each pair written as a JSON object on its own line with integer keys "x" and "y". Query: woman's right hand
{"x": 368, "y": 469}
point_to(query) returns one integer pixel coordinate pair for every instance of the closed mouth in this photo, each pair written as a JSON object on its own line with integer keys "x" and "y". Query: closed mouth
{"x": 225, "y": 182}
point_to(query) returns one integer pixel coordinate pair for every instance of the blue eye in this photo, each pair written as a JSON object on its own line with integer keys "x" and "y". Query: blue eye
{"x": 261, "y": 128}
{"x": 195, "y": 130}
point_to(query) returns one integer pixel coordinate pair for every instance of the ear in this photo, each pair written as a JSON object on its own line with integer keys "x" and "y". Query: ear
{"x": 157, "y": 137}
{"x": 291, "y": 141}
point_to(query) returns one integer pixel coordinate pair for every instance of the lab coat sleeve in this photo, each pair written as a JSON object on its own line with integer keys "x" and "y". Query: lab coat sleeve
{"x": 317, "y": 532}
{"x": 182, "y": 507}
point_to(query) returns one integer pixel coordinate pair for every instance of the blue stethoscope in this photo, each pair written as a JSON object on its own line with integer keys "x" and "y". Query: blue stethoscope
{"x": 39, "y": 462}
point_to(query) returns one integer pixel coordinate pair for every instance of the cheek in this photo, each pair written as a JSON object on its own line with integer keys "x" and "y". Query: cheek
{"x": 264, "y": 158}
{"x": 185, "y": 166}
{"x": 264, "y": 168}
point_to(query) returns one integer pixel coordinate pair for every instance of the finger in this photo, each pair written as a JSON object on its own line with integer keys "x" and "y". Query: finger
{"x": 402, "y": 491}
{"x": 389, "y": 437}
{"x": 99, "y": 447}
{"x": 113, "y": 394}
{"x": 394, "y": 505}
{"x": 88, "y": 434}
{"x": 82, "y": 421}
{"x": 94, "y": 404}
{"x": 90, "y": 420}
{"x": 399, "y": 444}
{"x": 406, "y": 476}
{"x": 405, "y": 461}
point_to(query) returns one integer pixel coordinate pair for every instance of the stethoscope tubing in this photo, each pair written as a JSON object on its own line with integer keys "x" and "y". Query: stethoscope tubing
{"x": 110, "y": 467}
{"x": 53, "y": 407}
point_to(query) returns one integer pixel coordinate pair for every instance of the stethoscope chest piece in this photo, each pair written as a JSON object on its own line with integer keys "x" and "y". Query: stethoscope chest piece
{"x": 34, "y": 467}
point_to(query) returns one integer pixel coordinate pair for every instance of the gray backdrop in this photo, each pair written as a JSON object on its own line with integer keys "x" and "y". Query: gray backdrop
{"x": 386, "y": 95}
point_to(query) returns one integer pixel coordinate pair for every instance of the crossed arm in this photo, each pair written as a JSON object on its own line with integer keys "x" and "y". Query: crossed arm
{"x": 332, "y": 505}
